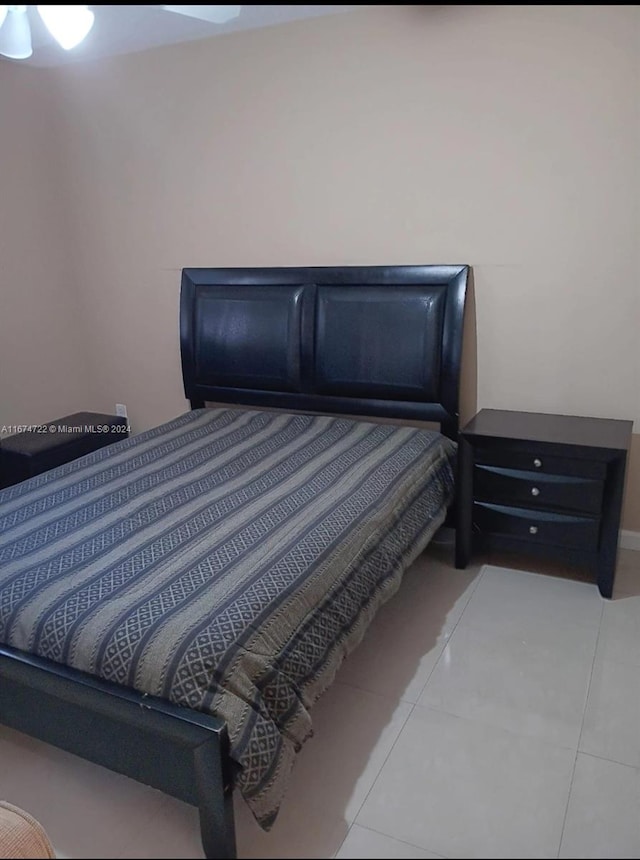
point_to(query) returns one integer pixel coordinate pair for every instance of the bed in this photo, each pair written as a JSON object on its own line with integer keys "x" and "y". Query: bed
{"x": 172, "y": 606}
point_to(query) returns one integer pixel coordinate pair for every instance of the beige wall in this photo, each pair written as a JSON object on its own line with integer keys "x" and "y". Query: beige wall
{"x": 42, "y": 369}
{"x": 631, "y": 508}
{"x": 503, "y": 137}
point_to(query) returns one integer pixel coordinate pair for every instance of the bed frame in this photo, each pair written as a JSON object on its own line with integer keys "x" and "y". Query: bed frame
{"x": 371, "y": 341}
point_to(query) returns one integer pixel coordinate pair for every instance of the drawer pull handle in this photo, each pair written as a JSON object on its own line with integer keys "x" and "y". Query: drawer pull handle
{"x": 537, "y": 463}
{"x": 535, "y": 491}
{"x": 533, "y": 530}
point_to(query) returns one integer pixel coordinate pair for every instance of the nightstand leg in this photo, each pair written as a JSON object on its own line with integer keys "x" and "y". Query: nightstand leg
{"x": 611, "y": 510}
{"x": 464, "y": 503}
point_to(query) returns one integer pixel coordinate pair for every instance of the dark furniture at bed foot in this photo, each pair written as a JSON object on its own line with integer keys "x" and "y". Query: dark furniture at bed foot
{"x": 182, "y": 752}
{"x": 543, "y": 484}
{"x": 41, "y": 447}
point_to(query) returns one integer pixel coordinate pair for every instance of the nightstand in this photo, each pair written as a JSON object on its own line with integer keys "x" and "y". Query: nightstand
{"x": 41, "y": 447}
{"x": 543, "y": 484}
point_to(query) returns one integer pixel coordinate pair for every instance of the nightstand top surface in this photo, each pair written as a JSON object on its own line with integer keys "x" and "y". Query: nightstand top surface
{"x": 608, "y": 433}
{"x": 67, "y": 429}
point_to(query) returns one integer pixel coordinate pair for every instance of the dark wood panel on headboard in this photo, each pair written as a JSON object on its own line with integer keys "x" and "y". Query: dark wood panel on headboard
{"x": 362, "y": 340}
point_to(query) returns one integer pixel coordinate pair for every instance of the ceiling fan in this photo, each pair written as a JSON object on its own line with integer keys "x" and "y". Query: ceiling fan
{"x": 70, "y": 24}
{"x": 67, "y": 24}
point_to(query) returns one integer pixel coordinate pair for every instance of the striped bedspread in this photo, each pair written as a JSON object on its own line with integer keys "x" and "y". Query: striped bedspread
{"x": 226, "y": 561}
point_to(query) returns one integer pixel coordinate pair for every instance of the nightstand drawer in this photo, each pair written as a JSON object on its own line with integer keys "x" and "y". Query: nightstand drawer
{"x": 536, "y": 461}
{"x": 543, "y": 484}
{"x": 538, "y": 490}
{"x": 537, "y": 526}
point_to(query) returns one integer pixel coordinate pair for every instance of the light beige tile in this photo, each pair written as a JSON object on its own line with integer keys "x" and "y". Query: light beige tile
{"x": 305, "y": 834}
{"x": 87, "y": 810}
{"x": 516, "y": 649}
{"x": 354, "y": 732}
{"x": 462, "y": 788}
{"x": 536, "y": 607}
{"x": 512, "y": 682}
{"x": 602, "y": 818}
{"x": 620, "y": 631}
{"x": 403, "y": 643}
{"x": 611, "y": 726}
{"x": 363, "y": 843}
{"x": 174, "y": 832}
{"x": 97, "y": 812}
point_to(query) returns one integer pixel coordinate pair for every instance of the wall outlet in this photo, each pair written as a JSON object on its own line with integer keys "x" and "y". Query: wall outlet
{"x": 121, "y": 410}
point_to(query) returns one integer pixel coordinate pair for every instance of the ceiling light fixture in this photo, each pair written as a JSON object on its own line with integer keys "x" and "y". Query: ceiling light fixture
{"x": 15, "y": 35}
{"x": 67, "y": 24}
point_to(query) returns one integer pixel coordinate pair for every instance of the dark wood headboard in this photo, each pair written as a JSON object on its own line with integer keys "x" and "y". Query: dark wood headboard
{"x": 362, "y": 340}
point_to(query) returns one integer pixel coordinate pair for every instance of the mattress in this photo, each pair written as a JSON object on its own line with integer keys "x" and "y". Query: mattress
{"x": 226, "y": 561}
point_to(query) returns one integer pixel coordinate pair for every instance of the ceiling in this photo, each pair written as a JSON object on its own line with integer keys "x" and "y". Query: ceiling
{"x": 125, "y": 29}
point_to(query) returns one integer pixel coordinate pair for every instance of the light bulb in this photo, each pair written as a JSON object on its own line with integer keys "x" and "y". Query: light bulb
{"x": 15, "y": 35}
{"x": 67, "y": 24}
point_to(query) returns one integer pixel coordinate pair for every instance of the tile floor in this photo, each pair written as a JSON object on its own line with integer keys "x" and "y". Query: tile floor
{"x": 491, "y": 712}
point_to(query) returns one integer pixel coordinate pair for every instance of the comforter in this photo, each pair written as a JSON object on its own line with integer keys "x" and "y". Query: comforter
{"x": 226, "y": 561}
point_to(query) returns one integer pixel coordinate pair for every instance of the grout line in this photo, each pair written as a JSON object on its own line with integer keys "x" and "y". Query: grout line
{"x": 403, "y": 841}
{"x": 611, "y": 760}
{"x": 453, "y": 630}
{"x": 584, "y": 711}
{"x": 393, "y": 745}
{"x": 339, "y": 848}
{"x": 381, "y": 768}
{"x": 566, "y": 809}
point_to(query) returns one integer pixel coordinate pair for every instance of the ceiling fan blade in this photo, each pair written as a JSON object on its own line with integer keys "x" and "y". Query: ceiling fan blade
{"x": 67, "y": 24}
{"x": 214, "y": 14}
{"x": 15, "y": 36}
